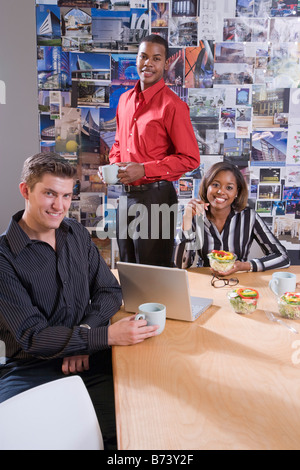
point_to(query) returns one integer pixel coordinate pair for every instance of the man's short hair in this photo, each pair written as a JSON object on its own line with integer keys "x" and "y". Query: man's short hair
{"x": 37, "y": 165}
{"x": 156, "y": 38}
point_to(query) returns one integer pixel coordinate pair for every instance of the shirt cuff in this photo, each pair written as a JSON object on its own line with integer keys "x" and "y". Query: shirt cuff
{"x": 98, "y": 338}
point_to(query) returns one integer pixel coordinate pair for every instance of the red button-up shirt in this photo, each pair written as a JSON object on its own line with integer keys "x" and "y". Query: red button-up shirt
{"x": 154, "y": 128}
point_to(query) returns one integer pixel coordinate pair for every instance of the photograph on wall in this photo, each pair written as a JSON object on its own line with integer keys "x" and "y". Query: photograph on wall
{"x": 90, "y": 67}
{"x": 269, "y": 175}
{"x": 174, "y": 75}
{"x": 185, "y": 8}
{"x": 123, "y": 69}
{"x": 278, "y": 208}
{"x": 205, "y": 103}
{"x": 68, "y": 132}
{"x": 293, "y": 145}
{"x": 90, "y": 133}
{"x": 53, "y": 67}
{"x": 48, "y": 25}
{"x": 199, "y": 65}
{"x": 292, "y": 176}
{"x": 286, "y": 229}
{"x": 88, "y": 93}
{"x": 263, "y": 207}
{"x": 293, "y": 207}
{"x": 185, "y": 187}
{"x": 44, "y": 97}
{"x": 210, "y": 141}
{"x": 244, "y": 8}
{"x": 55, "y": 104}
{"x": 269, "y": 148}
{"x": 284, "y": 30}
{"x": 76, "y": 23}
{"x": 245, "y": 29}
{"x": 227, "y": 119}
{"x": 233, "y": 74}
{"x": 91, "y": 209}
{"x": 183, "y": 32}
{"x": 283, "y": 70}
{"x": 119, "y": 29}
{"x": 291, "y": 192}
{"x": 294, "y": 115}
{"x": 270, "y": 106}
{"x": 159, "y": 14}
{"x": 47, "y": 127}
{"x": 268, "y": 191}
{"x": 236, "y": 149}
{"x": 210, "y": 20}
{"x": 284, "y": 8}
{"x": 108, "y": 127}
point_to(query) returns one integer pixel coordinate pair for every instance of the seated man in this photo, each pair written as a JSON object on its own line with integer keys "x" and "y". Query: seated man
{"x": 57, "y": 295}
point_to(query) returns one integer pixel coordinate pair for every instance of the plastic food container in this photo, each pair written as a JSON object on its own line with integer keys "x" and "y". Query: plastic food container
{"x": 243, "y": 300}
{"x": 221, "y": 261}
{"x": 289, "y": 305}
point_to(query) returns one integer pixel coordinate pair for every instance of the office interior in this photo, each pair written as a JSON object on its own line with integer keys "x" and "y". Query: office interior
{"x": 237, "y": 65}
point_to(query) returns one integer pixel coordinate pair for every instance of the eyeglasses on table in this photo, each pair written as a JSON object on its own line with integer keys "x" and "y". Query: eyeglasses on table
{"x": 222, "y": 282}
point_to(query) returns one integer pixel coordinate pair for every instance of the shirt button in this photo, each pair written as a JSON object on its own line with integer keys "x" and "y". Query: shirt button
{"x": 134, "y": 119}
{"x": 127, "y": 150}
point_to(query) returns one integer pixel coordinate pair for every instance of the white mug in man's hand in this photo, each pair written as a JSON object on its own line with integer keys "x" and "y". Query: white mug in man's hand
{"x": 154, "y": 314}
{"x": 109, "y": 173}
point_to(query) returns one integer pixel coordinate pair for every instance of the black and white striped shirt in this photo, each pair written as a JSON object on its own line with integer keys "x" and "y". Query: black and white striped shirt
{"x": 238, "y": 234}
{"x": 45, "y": 294}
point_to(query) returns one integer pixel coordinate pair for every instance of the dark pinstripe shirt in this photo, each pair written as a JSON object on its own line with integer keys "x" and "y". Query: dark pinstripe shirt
{"x": 238, "y": 234}
{"x": 45, "y": 294}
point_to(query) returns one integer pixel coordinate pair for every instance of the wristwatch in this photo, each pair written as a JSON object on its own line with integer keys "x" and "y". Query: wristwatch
{"x": 85, "y": 325}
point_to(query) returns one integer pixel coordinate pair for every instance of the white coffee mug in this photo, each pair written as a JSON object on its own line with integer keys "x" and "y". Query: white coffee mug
{"x": 110, "y": 173}
{"x": 154, "y": 314}
{"x": 282, "y": 282}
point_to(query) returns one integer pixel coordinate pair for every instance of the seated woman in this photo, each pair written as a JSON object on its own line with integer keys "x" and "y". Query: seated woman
{"x": 221, "y": 220}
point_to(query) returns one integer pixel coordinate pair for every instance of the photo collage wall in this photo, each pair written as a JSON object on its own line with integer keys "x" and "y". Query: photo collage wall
{"x": 236, "y": 63}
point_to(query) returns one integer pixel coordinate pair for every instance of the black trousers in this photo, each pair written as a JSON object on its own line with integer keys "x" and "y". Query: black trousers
{"x": 23, "y": 375}
{"x": 146, "y": 224}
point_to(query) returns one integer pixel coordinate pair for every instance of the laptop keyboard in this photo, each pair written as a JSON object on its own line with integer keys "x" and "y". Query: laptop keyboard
{"x": 196, "y": 311}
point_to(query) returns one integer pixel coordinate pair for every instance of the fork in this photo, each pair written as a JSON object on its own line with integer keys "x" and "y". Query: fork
{"x": 272, "y": 317}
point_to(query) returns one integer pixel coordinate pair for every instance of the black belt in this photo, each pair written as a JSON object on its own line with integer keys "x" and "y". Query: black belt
{"x": 129, "y": 188}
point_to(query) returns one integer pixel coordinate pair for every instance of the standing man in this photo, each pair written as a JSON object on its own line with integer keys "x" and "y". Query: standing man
{"x": 155, "y": 145}
{"x": 57, "y": 295}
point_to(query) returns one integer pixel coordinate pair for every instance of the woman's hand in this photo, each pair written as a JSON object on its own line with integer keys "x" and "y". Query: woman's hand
{"x": 238, "y": 266}
{"x": 194, "y": 207}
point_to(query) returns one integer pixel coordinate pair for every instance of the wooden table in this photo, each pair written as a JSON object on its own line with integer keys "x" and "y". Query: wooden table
{"x": 225, "y": 381}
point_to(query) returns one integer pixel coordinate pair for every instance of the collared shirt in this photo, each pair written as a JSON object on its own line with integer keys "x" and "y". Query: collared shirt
{"x": 45, "y": 294}
{"x": 237, "y": 236}
{"x": 154, "y": 128}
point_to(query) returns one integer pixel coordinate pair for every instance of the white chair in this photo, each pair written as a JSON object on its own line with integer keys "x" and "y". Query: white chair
{"x": 58, "y": 415}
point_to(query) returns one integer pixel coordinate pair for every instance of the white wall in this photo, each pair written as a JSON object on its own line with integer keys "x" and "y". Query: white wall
{"x": 19, "y": 132}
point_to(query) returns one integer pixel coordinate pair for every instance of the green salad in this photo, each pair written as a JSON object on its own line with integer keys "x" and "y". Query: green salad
{"x": 289, "y": 305}
{"x": 243, "y": 300}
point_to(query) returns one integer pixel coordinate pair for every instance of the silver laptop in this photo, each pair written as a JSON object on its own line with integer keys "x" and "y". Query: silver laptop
{"x": 142, "y": 283}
